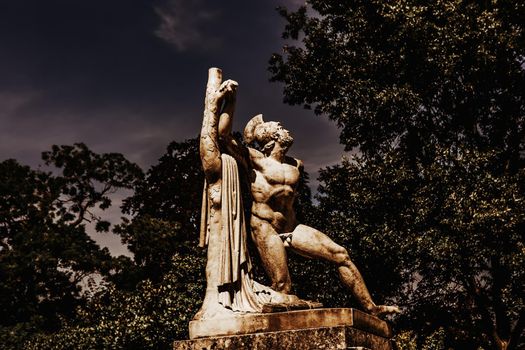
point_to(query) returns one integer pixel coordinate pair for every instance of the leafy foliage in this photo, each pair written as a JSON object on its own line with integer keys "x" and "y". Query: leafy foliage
{"x": 408, "y": 341}
{"x": 452, "y": 251}
{"x": 432, "y": 210}
{"x": 166, "y": 207}
{"x": 88, "y": 178}
{"x": 45, "y": 252}
{"x": 407, "y": 72}
{"x": 150, "y": 317}
{"x": 172, "y": 189}
{"x": 143, "y": 303}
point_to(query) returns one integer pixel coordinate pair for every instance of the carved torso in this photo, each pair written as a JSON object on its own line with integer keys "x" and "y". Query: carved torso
{"x": 273, "y": 190}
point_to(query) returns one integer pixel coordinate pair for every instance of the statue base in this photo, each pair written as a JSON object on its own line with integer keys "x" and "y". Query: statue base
{"x": 339, "y": 328}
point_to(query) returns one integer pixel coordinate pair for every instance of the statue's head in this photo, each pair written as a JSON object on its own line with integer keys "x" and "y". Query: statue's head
{"x": 266, "y": 134}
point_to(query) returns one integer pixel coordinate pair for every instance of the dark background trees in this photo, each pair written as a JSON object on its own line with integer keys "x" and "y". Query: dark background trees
{"x": 165, "y": 210}
{"x": 45, "y": 251}
{"x": 432, "y": 95}
{"x": 47, "y": 258}
{"x": 405, "y": 72}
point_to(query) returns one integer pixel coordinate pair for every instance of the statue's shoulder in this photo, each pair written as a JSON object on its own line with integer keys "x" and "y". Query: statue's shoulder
{"x": 295, "y": 162}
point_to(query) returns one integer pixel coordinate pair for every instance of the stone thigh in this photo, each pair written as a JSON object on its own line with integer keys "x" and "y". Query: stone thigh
{"x": 312, "y": 243}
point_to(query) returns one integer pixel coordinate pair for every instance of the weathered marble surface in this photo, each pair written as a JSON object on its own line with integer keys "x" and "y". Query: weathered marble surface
{"x": 273, "y": 178}
{"x": 291, "y": 320}
{"x": 328, "y": 338}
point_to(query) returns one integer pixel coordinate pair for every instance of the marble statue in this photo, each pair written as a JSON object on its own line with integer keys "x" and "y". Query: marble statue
{"x": 230, "y": 288}
{"x": 273, "y": 178}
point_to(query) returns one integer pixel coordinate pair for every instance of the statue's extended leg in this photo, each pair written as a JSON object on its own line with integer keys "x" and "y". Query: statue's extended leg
{"x": 312, "y": 243}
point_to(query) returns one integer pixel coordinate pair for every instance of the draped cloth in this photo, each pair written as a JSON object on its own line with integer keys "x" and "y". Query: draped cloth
{"x": 237, "y": 290}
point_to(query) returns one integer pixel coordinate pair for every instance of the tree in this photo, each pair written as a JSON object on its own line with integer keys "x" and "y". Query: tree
{"x": 409, "y": 72}
{"x": 151, "y": 298}
{"x": 45, "y": 252}
{"x": 166, "y": 214}
{"x": 172, "y": 188}
{"x": 432, "y": 96}
{"x": 455, "y": 238}
{"x": 151, "y": 316}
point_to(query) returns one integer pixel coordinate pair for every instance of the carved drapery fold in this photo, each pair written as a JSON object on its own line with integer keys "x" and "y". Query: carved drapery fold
{"x": 237, "y": 290}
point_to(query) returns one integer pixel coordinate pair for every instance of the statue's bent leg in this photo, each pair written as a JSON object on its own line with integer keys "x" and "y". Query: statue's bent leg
{"x": 312, "y": 243}
{"x": 273, "y": 254}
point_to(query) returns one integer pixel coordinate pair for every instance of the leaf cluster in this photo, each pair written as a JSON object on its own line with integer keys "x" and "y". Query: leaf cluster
{"x": 409, "y": 72}
{"x": 45, "y": 252}
{"x": 149, "y": 317}
{"x": 445, "y": 242}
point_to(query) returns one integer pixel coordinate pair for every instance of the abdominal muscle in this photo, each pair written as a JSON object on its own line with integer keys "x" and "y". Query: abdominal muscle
{"x": 280, "y": 222}
{"x": 273, "y": 203}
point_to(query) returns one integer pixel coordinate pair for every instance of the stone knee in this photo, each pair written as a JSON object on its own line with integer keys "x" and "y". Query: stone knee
{"x": 341, "y": 256}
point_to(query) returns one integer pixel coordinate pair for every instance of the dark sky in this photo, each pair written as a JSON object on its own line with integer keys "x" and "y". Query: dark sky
{"x": 129, "y": 76}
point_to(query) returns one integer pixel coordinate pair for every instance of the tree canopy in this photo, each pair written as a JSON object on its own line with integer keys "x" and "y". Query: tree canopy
{"x": 165, "y": 209}
{"x": 45, "y": 252}
{"x": 410, "y": 72}
{"x": 432, "y": 96}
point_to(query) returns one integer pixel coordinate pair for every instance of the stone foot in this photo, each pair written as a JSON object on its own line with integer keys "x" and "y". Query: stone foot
{"x": 381, "y": 310}
{"x": 213, "y": 310}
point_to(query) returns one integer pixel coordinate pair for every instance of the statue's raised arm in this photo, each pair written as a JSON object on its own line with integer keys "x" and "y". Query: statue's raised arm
{"x": 219, "y": 105}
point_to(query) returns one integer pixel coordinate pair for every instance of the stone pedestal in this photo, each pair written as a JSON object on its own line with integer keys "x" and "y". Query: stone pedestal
{"x": 340, "y": 328}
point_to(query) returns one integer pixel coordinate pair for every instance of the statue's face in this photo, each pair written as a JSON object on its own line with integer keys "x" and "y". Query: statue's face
{"x": 280, "y": 134}
{"x": 273, "y": 131}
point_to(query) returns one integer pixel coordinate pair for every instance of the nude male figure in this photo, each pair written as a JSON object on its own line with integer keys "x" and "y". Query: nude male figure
{"x": 273, "y": 224}
{"x": 274, "y": 228}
